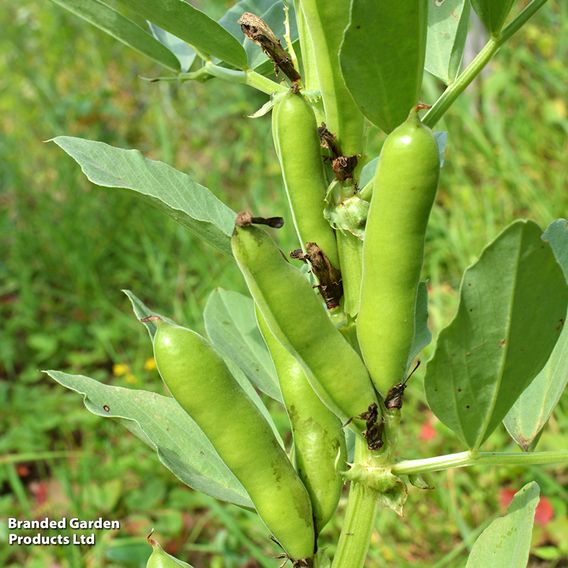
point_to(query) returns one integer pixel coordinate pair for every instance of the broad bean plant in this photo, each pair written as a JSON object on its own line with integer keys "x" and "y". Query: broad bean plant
{"x": 334, "y": 329}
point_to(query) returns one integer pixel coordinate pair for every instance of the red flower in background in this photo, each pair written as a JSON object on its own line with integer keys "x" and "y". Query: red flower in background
{"x": 427, "y": 431}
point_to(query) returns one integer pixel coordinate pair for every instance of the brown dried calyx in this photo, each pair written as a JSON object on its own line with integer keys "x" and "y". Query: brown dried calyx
{"x": 342, "y": 166}
{"x": 245, "y": 219}
{"x": 330, "y": 285}
{"x": 257, "y": 30}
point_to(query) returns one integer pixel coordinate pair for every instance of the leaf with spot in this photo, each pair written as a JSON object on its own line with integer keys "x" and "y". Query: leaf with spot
{"x": 161, "y": 422}
{"x": 512, "y": 305}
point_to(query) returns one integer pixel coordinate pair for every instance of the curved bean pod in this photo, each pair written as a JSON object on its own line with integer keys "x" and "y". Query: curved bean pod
{"x": 200, "y": 381}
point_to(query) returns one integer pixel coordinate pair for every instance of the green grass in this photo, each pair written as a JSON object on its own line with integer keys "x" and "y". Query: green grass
{"x": 69, "y": 248}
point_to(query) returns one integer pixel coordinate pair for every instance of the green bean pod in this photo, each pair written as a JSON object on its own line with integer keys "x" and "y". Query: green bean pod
{"x": 298, "y": 148}
{"x": 405, "y": 186}
{"x": 300, "y": 322}
{"x": 319, "y": 441}
{"x": 200, "y": 381}
{"x": 325, "y": 22}
{"x": 161, "y": 559}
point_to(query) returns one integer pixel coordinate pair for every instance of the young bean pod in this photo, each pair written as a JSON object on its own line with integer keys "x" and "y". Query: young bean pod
{"x": 299, "y": 321}
{"x": 161, "y": 559}
{"x": 298, "y": 148}
{"x": 325, "y": 23}
{"x": 405, "y": 186}
{"x": 200, "y": 381}
{"x": 319, "y": 440}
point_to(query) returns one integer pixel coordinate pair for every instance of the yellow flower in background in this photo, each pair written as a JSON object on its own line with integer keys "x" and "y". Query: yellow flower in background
{"x": 131, "y": 378}
{"x": 150, "y": 364}
{"x": 119, "y": 369}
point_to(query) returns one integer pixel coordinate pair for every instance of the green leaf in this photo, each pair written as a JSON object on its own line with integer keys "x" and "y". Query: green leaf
{"x": 184, "y": 53}
{"x": 382, "y": 58}
{"x": 121, "y": 28}
{"x": 231, "y": 326}
{"x": 506, "y": 542}
{"x": 447, "y": 31}
{"x": 161, "y": 423}
{"x": 422, "y": 335}
{"x": 177, "y": 193}
{"x": 512, "y": 302}
{"x": 193, "y": 26}
{"x": 532, "y": 410}
{"x": 493, "y": 13}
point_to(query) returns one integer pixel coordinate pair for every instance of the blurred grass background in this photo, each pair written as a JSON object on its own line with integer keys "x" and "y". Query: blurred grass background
{"x": 68, "y": 248}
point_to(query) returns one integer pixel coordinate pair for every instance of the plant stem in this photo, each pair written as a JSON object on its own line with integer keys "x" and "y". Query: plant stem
{"x": 476, "y": 66}
{"x": 466, "y": 459}
{"x": 359, "y": 519}
{"x": 247, "y": 77}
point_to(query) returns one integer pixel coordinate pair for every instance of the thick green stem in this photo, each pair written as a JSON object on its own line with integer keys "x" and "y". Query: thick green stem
{"x": 477, "y": 65}
{"x": 466, "y": 459}
{"x": 350, "y": 250}
{"x": 359, "y": 519}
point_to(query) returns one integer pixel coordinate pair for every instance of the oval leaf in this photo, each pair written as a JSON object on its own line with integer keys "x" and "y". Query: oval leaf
{"x": 512, "y": 303}
{"x": 193, "y": 26}
{"x": 506, "y": 542}
{"x": 447, "y": 31}
{"x": 231, "y": 326}
{"x": 161, "y": 423}
{"x": 382, "y": 58}
{"x": 175, "y": 192}
{"x": 122, "y": 29}
{"x": 532, "y": 410}
{"x": 493, "y": 13}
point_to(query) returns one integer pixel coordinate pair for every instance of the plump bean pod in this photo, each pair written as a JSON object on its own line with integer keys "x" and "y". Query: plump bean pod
{"x": 319, "y": 440}
{"x": 298, "y": 148}
{"x": 298, "y": 319}
{"x": 200, "y": 381}
{"x": 161, "y": 559}
{"x": 404, "y": 190}
{"x": 325, "y": 23}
